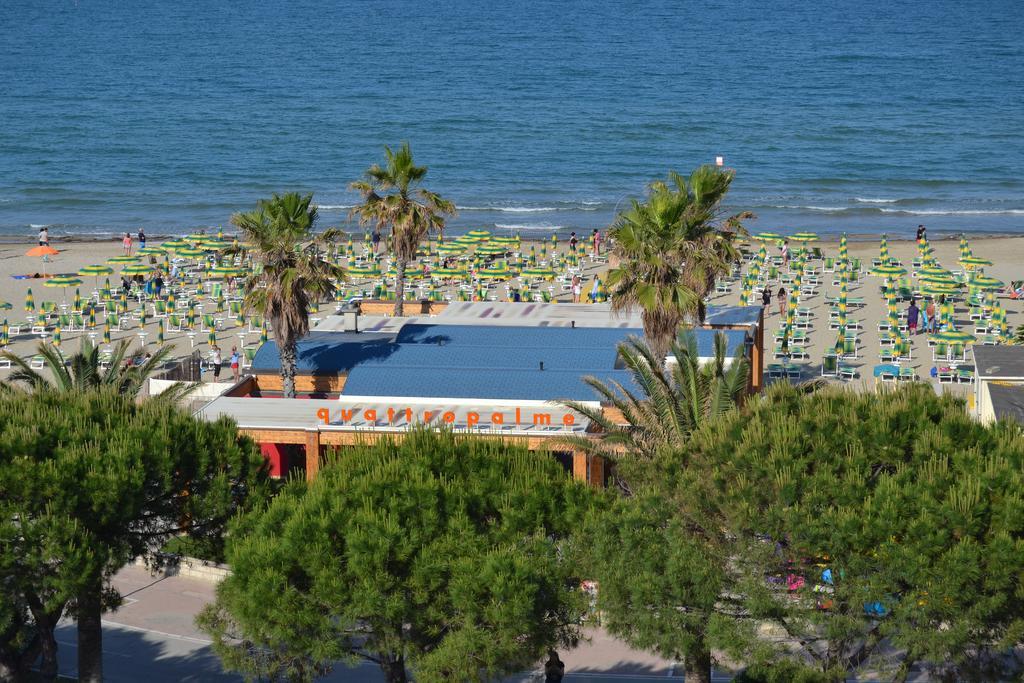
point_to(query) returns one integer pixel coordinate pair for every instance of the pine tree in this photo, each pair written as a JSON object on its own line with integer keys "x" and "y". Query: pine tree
{"x": 435, "y": 554}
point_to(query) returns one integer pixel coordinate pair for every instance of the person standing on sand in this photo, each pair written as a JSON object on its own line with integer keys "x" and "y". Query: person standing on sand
{"x": 597, "y": 242}
{"x": 912, "y": 316}
{"x": 217, "y": 361}
{"x": 577, "y": 289}
{"x": 235, "y": 360}
{"x": 932, "y": 324}
{"x": 127, "y": 244}
{"x": 142, "y": 238}
{"x": 44, "y": 237}
{"x": 921, "y": 232}
{"x": 781, "y": 298}
{"x": 766, "y": 299}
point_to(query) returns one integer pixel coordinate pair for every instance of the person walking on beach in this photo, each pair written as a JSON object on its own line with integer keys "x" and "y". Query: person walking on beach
{"x": 932, "y": 323}
{"x": 597, "y": 242}
{"x": 785, "y": 253}
{"x": 572, "y": 242}
{"x": 781, "y": 298}
{"x": 925, "y": 320}
{"x": 217, "y": 361}
{"x": 142, "y": 238}
{"x": 158, "y": 283}
{"x": 912, "y": 316}
{"x": 921, "y": 232}
{"x": 235, "y": 360}
{"x": 127, "y": 244}
{"x": 44, "y": 237}
{"x": 766, "y": 299}
{"x": 375, "y": 240}
{"x": 577, "y": 289}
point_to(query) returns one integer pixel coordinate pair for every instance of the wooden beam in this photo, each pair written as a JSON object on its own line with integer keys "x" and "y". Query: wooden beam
{"x": 312, "y": 454}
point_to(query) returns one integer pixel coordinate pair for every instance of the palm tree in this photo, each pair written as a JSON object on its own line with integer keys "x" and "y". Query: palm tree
{"x": 675, "y": 399}
{"x": 288, "y": 276}
{"x": 83, "y": 371}
{"x": 391, "y": 200}
{"x": 670, "y": 249}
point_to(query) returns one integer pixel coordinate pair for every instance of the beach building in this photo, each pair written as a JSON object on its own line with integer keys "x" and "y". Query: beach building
{"x": 999, "y": 383}
{"x": 495, "y": 370}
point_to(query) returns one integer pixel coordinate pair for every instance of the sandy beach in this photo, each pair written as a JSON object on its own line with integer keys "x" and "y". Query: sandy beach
{"x": 1006, "y": 253}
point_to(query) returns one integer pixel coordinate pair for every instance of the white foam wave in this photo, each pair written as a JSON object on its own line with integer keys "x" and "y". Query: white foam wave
{"x": 511, "y": 209}
{"x": 964, "y": 212}
{"x": 37, "y": 226}
{"x": 515, "y": 226}
{"x": 874, "y": 200}
{"x": 827, "y": 209}
{"x": 336, "y": 206}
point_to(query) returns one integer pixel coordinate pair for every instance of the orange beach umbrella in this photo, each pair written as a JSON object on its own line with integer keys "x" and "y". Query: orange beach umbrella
{"x": 43, "y": 251}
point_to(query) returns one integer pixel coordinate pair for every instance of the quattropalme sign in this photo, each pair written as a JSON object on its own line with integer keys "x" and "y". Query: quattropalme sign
{"x": 485, "y": 417}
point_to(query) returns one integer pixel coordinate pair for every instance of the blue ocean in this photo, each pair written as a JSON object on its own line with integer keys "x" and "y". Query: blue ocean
{"x": 533, "y": 116}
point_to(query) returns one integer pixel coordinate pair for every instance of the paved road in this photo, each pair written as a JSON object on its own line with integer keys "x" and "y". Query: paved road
{"x": 153, "y": 638}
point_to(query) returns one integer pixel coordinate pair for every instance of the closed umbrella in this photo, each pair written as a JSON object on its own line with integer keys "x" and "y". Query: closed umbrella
{"x": 106, "y": 333}
{"x": 212, "y": 337}
{"x": 160, "y": 332}
{"x": 77, "y": 305}
{"x": 92, "y": 317}
{"x": 30, "y": 302}
{"x": 263, "y": 333}
{"x": 56, "y": 336}
{"x": 5, "y": 334}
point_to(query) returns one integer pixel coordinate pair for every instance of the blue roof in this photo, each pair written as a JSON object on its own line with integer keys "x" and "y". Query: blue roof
{"x": 472, "y": 361}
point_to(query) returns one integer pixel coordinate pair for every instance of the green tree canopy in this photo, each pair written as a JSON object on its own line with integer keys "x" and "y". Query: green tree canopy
{"x": 393, "y": 200}
{"x": 858, "y": 532}
{"x": 89, "y": 481}
{"x": 435, "y": 554}
{"x": 289, "y": 277}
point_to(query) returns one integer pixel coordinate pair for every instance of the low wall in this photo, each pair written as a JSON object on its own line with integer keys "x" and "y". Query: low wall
{"x": 189, "y": 567}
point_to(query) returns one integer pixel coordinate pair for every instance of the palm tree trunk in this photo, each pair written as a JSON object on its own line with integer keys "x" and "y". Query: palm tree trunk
{"x": 288, "y": 363}
{"x": 90, "y": 633}
{"x": 400, "y": 264}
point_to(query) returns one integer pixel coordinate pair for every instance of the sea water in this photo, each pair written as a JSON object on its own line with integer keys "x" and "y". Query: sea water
{"x": 533, "y": 116}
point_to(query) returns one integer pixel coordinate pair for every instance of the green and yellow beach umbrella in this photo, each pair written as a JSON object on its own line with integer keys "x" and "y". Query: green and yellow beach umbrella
{"x": 123, "y": 259}
{"x": 491, "y": 249}
{"x": 6, "y": 305}
{"x": 142, "y": 318}
{"x": 106, "y": 333}
{"x": 224, "y": 272}
{"x": 175, "y": 244}
{"x": 449, "y": 272}
{"x": 543, "y": 273}
{"x": 76, "y": 304}
{"x": 365, "y": 270}
{"x": 938, "y": 289}
{"x": 240, "y": 317}
{"x": 938, "y": 279}
{"x": 96, "y": 271}
{"x": 889, "y": 271}
{"x": 152, "y": 251}
{"x": 767, "y": 237}
{"x": 984, "y": 282}
{"x": 450, "y": 248}
{"x": 843, "y": 246}
{"x": 160, "y": 332}
{"x": 30, "y": 302}
{"x": 263, "y": 333}
{"x": 804, "y": 237}
{"x": 5, "y": 334}
{"x": 56, "y": 336}
{"x": 92, "y": 317}
{"x": 63, "y": 281}
{"x": 211, "y": 338}
{"x": 190, "y": 252}
{"x": 965, "y": 249}
{"x": 883, "y": 249}
{"x": 506, "y": 240}
{"x": 136, "y": 269}
{"x": 974, "y": 262}
{"x": 479, "y": 234}
{"x": 952, "y": 336}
